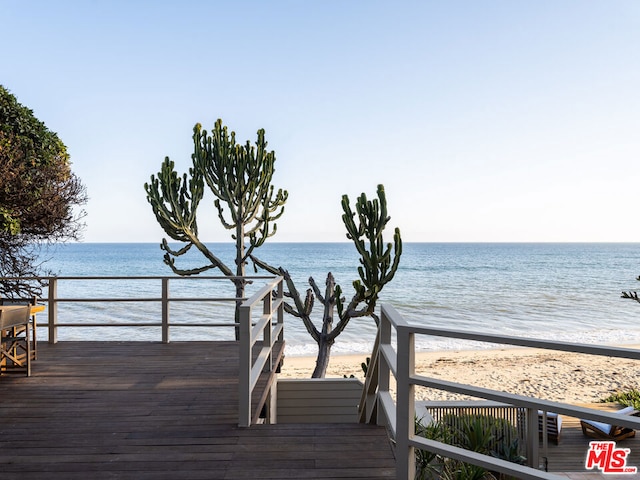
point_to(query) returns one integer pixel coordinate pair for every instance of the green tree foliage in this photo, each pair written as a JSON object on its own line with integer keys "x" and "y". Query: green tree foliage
{"x": 240, "y": 178}
{"x": 39, "y": 195}
{"x": 378, "y": 264}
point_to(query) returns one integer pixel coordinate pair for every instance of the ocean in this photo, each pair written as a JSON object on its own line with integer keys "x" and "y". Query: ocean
{"x": 560, "y": 291}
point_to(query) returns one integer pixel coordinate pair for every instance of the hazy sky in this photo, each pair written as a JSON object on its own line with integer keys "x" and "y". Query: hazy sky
{"x": 485, "y": 120}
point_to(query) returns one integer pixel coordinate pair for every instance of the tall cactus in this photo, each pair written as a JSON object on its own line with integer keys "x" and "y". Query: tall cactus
{"x": 240, "y": 177}
{"x": 378, "y": 264}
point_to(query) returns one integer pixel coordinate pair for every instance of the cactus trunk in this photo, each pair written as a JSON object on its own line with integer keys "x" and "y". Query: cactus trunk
{"x": 322, "y": 360}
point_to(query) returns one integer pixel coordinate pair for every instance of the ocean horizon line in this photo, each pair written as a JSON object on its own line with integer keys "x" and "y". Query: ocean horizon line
{"x": 346, "y": 242}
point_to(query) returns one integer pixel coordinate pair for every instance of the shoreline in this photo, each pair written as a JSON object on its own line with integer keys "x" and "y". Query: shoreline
{"x": 546, "y": 374}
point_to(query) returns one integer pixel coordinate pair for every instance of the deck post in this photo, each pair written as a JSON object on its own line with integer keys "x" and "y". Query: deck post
{"x": 405, "y": 411}
{"x": 53, "y": 310}
{"x": 244, "y": 374}
{"x": 532, "y": 437}
{"x": 165, "y": 310}
{"x": 268, "y": 331}
{"x": 267, "y": 309}
{"x": 272, "y": 404}
{"x": 384, "y": 372}
{"x": 280, "y": 298}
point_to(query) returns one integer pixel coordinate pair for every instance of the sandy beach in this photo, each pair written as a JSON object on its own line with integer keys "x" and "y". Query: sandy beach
{"x": 557, "y": 376}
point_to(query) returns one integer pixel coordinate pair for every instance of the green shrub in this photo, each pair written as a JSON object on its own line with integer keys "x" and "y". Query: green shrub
{"x": 630, "y": 398}
{"x": 428, "y": 464}
{"x": 480, "y": 433}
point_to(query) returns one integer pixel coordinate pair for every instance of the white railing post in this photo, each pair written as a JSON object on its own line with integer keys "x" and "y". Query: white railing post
{"x": 268, "y": 331}
{"x": 268, "y": 365}
{"x": 53, "y": 310}
{"x": 280, "y": 298}
{"x": 532, "y": 437}
{"x": 244, "y": 377}
{"x": 272, "y": 403}
{"x": 405, "y": 405}
{"x": 165, "y": 310}
{"x": 384, "y": 372}
{"x": 267, "y": 309}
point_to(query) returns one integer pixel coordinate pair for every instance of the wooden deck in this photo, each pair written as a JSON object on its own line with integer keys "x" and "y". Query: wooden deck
{"x": 133, "y": 410}
{"x": 570, "y": 453}
{"x": 136, "y": 410}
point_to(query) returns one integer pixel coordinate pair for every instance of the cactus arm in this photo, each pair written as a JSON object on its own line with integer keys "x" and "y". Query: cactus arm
{"x": 240, "y": 177}
{"x": 351, "y": 312}
{"x": 301, "y": 310}
{"x": 223, "y": 221}
{"x": 185, "y": 272}
{"x": 377, "y": 266}
{"x": 165, "y": 246}
{"x": 316, "y": 290}
{"x": 174, "y": 201}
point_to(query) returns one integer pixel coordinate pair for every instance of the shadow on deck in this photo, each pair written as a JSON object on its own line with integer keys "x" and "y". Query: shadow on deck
{"x": 137, "y": 410}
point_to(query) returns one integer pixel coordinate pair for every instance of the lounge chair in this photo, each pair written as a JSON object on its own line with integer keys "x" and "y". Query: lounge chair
{"x": 33, "y": 301}
{"x": 15, "y": 339}
{"x": 554, "y": 425}
{"x": 605, "y": 431}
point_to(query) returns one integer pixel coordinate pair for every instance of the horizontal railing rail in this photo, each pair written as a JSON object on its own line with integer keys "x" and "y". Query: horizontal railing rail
{"x": 164, "y": 298}
{"x": 399, "y": 414}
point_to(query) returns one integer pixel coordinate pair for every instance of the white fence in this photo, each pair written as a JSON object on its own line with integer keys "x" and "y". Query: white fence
{"x": 399, "y": 414}
{"x": 127, "y": 290}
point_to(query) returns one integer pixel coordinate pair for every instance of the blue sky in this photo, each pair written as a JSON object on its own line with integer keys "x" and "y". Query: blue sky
{"x": 485, "y": 120}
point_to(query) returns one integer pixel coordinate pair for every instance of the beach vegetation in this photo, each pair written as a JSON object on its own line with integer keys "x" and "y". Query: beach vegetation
{"x": 465, "y": 471}
{"x": 240, "y": 178}
{"x": 429, "y": 464}
{"x": 484, "y": 434}
{"x": 628, "y": 398}
{"x": 40, "y": 197}
{"x": 379, "y": 262}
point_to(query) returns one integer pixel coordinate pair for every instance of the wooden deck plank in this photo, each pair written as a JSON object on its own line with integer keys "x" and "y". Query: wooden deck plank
{"x": 137, "y": 410}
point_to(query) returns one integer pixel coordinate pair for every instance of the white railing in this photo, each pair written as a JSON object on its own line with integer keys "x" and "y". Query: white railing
{"x": 258, "y": 332}
{"x": 163, "y": 297}
{"x": 252, "y": 330}
{"x": 399, "y": 415}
